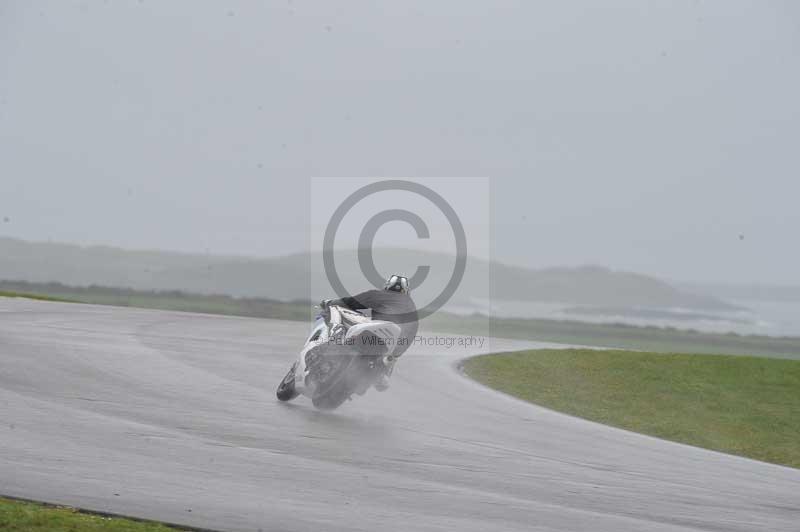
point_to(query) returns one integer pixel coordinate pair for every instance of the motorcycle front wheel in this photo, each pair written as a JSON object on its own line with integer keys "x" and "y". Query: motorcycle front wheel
{"x": 286, "y": 390}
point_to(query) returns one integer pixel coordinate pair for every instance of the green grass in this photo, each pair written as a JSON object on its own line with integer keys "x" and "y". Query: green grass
{"x": 741, "y": 405}
{"x": 19, "y": 516}
{"x": 39, "y": 297}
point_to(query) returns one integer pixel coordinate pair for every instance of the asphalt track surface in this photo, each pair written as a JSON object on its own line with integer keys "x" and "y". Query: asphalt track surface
{"x": 172, "y": 416}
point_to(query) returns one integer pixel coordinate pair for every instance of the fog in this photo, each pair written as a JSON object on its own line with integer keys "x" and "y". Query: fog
{"x": 653, "y": 137}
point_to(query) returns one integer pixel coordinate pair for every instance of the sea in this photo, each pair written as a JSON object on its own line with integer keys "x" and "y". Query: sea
{"x": 754, "y": 317}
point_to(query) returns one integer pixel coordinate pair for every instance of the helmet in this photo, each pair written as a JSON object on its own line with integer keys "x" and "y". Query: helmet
{"x": 397, "y": 283}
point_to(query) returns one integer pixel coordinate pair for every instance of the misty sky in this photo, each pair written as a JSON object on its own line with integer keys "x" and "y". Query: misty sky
{"x": 658, "y": 137}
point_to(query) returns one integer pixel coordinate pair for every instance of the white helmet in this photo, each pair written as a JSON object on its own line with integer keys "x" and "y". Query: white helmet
{"x": 397, "y": 283}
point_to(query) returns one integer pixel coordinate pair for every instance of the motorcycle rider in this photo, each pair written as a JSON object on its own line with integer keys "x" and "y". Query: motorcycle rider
{"x": 393, "y": 304}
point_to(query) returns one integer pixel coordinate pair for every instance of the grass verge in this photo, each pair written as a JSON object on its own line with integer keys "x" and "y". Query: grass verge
{"x": 741, "y": 405}
{"x": 39, "y": 297}
{"x": 159, "y": 299}
{"x": 21, "y": 516}
{"x": 619, "y": 335}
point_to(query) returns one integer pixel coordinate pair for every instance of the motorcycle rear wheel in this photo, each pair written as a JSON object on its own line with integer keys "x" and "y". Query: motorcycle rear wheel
{"x": 336, "y": 387}
{"x": 331, "y": 400}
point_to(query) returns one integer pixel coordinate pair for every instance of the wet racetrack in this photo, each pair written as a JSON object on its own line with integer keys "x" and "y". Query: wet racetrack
{"x": 172, "y": 416}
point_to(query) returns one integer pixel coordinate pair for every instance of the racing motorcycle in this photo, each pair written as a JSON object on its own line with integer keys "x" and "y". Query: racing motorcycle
{"x": 345, "y": 354}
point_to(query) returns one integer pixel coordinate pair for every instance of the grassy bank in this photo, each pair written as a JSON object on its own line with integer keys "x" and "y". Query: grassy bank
{"x": 162, "y": 300}
{"x": 735, "y": 404}
{"x": 568, "y": 332}
{"x": 658, "y": 339}
{"x": 39, "y": 297}
{"x": 19, "y": 516}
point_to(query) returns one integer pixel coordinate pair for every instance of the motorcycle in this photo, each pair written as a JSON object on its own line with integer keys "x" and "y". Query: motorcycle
{"x": 345, "y": 354}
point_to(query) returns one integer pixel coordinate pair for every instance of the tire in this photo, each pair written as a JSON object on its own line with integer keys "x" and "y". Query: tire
{"x": 342, "y": 385}
{"x": 337, "y": 366}
{"x": 331, "y": 400}
{"x": 331, "y": 394}
{"x": 286, "y": 390}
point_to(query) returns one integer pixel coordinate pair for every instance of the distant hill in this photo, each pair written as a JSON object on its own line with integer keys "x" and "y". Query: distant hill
{"x": 290, "y": 277}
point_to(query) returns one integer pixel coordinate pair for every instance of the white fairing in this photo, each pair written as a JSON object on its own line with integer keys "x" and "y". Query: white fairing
{"x": 356, "y": 324}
